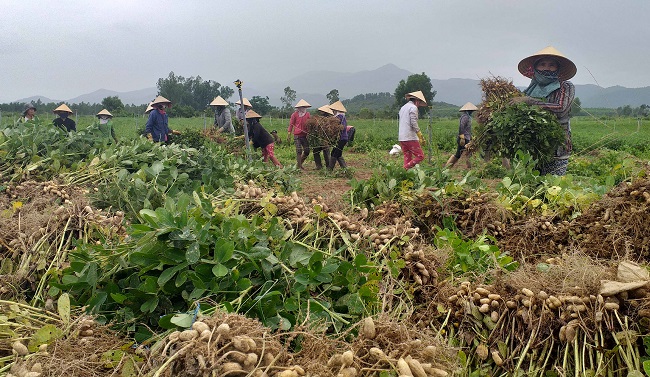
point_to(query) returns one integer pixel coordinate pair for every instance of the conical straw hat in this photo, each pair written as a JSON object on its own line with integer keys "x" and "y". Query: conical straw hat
{"x": 252, "y": 114}
{"x": 326, "y": 109}
{"x": 468, "y": 107}
{"x": 160, "y": 99}
{"x": 418, "y": 95}
{"x": 246, "y": 102}
{"x": 104, "y": 112}
{"x": 566, "y": 71}
{"x": 149, "y": 108}
{"x": 302, "y": 103}
{"x": 218, "y": 102}
{"x": 338, "y": 106}
{"x": 63, "y": 108}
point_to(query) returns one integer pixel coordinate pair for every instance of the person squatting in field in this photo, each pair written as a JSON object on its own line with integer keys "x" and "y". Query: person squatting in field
{"x": 464, "y": 135}
{"x": 29, "y": 114}
{"x": 222, "y": 117}
{"x": 261, "y": 138}
{"x": 157, "y": 127}
{"x": 105, "y": 126}
{"x": 550, "y": 89}
{"x": 410, "y": 138}
{"x": 337, "y": 153}
{"x": 324, "y": 148}
{"x": 298, "y": 127}
{"x": 64, "y": 121}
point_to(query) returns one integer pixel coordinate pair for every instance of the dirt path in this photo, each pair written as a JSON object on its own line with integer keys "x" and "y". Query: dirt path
{"x": 332, "y": 186}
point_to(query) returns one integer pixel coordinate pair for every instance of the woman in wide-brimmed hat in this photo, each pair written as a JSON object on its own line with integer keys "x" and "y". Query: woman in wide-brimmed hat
{"x": 464, "y": 135}
{"x": 240, "y": 112}
{"x": 409, "y": 136}
{"x": 29, "y": 114}
{"x": 64, "y": 121}
{"x": 157, "y": 127}
{"x": 260, "y": 137}
{"x": 298, "y": 127}
{"x": 222, "y": 117}
{"x": 550, "y": 89}
{"x": 105, "y": 126}
{"x": 337, "y": 152}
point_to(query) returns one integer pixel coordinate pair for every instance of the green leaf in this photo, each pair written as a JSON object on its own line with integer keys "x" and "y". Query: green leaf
{"x": 223, "y": 250}
{"x": 193, "y": 253}
{"x": 150, "y": 305}
{"x": 182, "y": 320}
{"x": 45, "y": 335}
{"x": 118, "y": 297}
{"x": 646, "y": 367}
{"x": 219, "y": 270}
{"x": 63, "y": 306}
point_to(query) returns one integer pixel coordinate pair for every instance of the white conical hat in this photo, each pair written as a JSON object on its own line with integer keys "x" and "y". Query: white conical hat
{"x": 418, "y": 95}
{"x": 302, "y": 103}
{"x": 149, "y": 108}
{"x": 252, "y": 114}
{"x": 160, "y": 99}
{"x": 338, "y": 106}
{"x": 566, "y": 70}
{"x": 104, "y": 112}
{"x": 246, "y": 102}
{"x": 326, "y": 109}
{"x": 218, "y": 102}
{"x": 63, "y": 108}
{"x": 468, "y": 107}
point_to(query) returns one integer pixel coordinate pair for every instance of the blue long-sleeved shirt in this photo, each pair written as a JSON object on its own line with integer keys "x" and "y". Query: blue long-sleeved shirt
{"x": 157, "y": 126}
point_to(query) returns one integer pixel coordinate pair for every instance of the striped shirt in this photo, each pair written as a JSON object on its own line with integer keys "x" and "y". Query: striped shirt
{"x": 559, "y": 103}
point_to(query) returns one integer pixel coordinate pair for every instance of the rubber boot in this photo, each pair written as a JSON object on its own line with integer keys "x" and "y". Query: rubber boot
{"x": 317, "y": 160}
{"x": 451, "y": 162}
{"x": 341, "y": 161}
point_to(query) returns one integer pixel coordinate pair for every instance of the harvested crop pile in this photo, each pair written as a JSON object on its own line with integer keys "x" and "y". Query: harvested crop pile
{"x": 497, "y": 91}
{"x": 323, "y": 131}
{"x": 222, "y": 344}
{"x": 39, "y": 222}
{"x": 613, "y": 227}
{"x": 533, "y": 318}
{"x": 383, "y": 346}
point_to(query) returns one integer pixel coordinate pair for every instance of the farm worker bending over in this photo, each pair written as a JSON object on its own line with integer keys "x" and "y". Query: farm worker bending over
{"x": 240, "y": 112}
{"x": 464, "y": 135}
{"x": 410, "y": 138}
{"x": 157, "y": 128}
{"x": 337, "y": 152}
{"x": 105, "y": 126}
{"x": 63, "y": 121}
{"x": 550, "y": 89}
{"x": 298, "y": 127}
{"x": 222, "y": 117}
{"x": 29, "y": 114}
{"x": 260, "y": 137}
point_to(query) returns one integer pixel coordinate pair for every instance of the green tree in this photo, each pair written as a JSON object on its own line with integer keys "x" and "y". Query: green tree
{"x": 576, "y": 107}
{"x": 366, "y": 113}
{"x": 113, "y": 104}
{"x": 333, "y": 96}
{"x": 414, "y": 83}
{"x": 261, "y": 105}
{"x": 192, "y": 91}
{"x": 288, "y": 99}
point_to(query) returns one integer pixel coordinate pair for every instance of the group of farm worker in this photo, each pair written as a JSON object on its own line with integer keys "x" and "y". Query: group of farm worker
{"x": 103, "y": 125}
{"x": 550, "y": 89}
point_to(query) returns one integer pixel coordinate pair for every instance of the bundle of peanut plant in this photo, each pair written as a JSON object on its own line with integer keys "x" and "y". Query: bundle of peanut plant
{"x": 323, "y": 131}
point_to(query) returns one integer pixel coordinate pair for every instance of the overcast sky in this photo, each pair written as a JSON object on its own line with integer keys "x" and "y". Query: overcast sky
{"x": 63, "y": 49}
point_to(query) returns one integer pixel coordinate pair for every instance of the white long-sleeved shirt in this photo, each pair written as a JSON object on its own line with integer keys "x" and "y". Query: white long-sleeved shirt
{"x": 408, "y": 122}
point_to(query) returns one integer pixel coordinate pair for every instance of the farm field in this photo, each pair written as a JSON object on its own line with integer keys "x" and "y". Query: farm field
{"x": 188, "y": 259}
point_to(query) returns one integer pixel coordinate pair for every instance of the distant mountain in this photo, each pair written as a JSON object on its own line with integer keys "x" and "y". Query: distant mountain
{"x": 36, "y": 98}
{"x": 314, "y": 86}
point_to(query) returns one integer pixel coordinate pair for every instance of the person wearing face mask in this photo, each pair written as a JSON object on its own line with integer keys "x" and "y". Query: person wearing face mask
{"x": 549, "y": 71}
{"x": 29, "y": 114}
{"x": 298, "y": 127}
{"x": 105, "y": 126}
{"x": 157, "y": 127}
{"x": 64, "y": 121}
{"x": 222, "y": 117}
{"x": 464, "y": 135}
{"x": 240, "y": 112}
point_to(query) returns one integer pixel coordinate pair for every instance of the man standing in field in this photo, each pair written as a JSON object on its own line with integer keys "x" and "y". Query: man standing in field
{"x": 410, "y": 138}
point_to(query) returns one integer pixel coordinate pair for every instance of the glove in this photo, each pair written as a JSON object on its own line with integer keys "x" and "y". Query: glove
{"x": 175, "y": 132}
{"x": 149, "y": 137}
{"x": 421, "y": 138}
{"x": 461, "y": 141}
